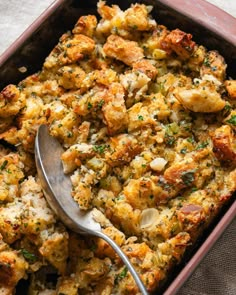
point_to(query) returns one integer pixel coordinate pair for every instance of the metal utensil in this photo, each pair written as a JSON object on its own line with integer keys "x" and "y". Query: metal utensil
{"x": 57, "y": 187}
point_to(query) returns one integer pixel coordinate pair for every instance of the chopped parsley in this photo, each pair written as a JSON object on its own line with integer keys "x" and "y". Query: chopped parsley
{"x": 121, "y": 275}
{"x": 101, "y": 103}
{"x": 100, "y": 148}
{"x": 134, "y": 27}
{"x": 4, "y": 164}
{"x": 190, "y": 139}
{"x": 206, "y": 62}
{"x": 89, "y": 106}
{"x": 69, "y": 134}
{"x": 170, "y": 140}
{"x": 194, "y": 189}
{"x": 232, "y": 120}
{"x": 202, "y": 145}
{"x": 140, "y": 117}
{"x": 171, "y": 130}
{"x": 188, "y": 177}
{"x": 30, "y": 257}
{"x": 183, "y": 151}
{"x": 227, "y": 107}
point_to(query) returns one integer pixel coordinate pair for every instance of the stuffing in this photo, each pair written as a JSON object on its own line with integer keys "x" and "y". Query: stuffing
{"x": 143, "y": 193}
{"x": 85, "y": 25}
{"x": 11, "y": 101}
{"x": 213, "y": 64}
{"x": 123, "y": 149}
{"x": 137, "y": 17}
{"x": 114, "y": 109}
{"x": 202, "y": 98}
{"x": 197, "y": 58}
{"x": 71, "y": 77}
{"x": 124, "y": 50}
{"x": 147, "y": 122}
{"x": 230, "y": 86}
{"x": 145, "y": 66}
{"x": 180, "y": 42}
{"x": 76, "y": 48}
{"x": 124, "y": 23}
{"x": 11, "y": 173}
{"x": 136, "y": 84}
{"x": 55, "y": 250}
{"x": 72, "y": 157}
{"x": 13, "y": 268}
{"x": 224, "y": 144}
{"x": 103, "y": 249}
{"x": 181, "y": 174}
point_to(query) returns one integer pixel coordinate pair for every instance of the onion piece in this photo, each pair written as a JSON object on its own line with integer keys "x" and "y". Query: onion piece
{"x": 148, "y": 217}
{"x": 158, "y": 164}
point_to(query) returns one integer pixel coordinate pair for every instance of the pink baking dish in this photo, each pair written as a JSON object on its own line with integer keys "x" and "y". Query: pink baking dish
{"x": 209, "y": 25}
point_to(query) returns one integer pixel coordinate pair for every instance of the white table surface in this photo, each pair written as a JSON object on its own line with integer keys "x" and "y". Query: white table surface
{"x": 219, "y": 267}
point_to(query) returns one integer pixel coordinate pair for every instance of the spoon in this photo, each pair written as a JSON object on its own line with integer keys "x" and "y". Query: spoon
{"x": 57, "y": 187}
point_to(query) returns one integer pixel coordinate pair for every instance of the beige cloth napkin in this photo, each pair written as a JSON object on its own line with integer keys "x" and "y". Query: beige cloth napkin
{"x": 216, "y": 275}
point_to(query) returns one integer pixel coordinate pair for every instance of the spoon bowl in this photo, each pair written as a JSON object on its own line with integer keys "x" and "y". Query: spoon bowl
{"x": 57, "y": 187}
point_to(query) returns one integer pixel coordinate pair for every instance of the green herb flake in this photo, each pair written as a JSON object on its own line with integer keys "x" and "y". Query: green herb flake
{"x": 202, "y": 145}
{"x": 183, "y": 151}
{"x": 4, "y": 164}
{"x": 190, "y": 139}
{"x": 93, "y": 247}
{"x": 194, "y": 189}
{"x": 123, "y": 273}
{"x": 134, "y": 27}
{"x": 30, "y": 257}
{"x": 232, "y": 120}
{"x": 115, "y": 30}
{"x": 140, "y": 117}
{"x": 101, "y": 103}
{"x": 89, "y": 106}
{"x": 69, "y": 134}
{"x": 188, "y": 177}
{"x": 100, "y": 148}
{"x": 206, "y": 62}
{"x": 170, "y": 140}
{"x": 21, "y": 86}
{"x": 227, "y": 107}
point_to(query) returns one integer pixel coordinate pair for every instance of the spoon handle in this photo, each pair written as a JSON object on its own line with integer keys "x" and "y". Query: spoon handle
{"x": 126, "y": 261}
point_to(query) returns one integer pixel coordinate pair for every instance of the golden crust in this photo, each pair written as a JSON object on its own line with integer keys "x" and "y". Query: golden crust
{"x": 224, "y": 146}
{"x": 85, "y": 25}
{"x": 214, "y": 64}
{"x": 124, "y": 50}
{"x": 11, "y": 101}
{"x": 180, "y": 42}
{"x": 13, "y": 268}
{"x": 70, "y": 50}
{"x": 230, "y": 86}
{"x": 145, "y": 67}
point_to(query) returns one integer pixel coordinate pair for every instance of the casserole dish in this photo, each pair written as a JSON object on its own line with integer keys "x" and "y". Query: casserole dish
{"x": 23, "y": 57}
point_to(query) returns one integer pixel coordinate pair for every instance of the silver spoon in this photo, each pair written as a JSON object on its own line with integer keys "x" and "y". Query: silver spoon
{"x": 57, "y": 187}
